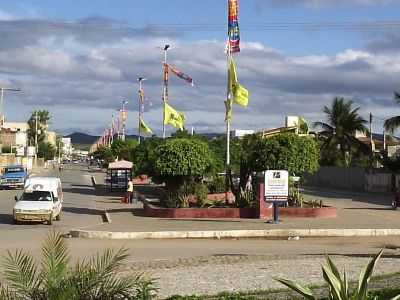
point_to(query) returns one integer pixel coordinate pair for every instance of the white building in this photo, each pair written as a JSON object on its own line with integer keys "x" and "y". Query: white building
{"x": 67, "y": 147}
{"x": 241, "y": 133}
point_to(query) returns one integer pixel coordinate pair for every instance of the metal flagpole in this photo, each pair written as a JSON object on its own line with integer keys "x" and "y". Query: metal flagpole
{"x": 165, "y": 90}
{"x": 228, "y": 127}
{"x": 141, "y": 104}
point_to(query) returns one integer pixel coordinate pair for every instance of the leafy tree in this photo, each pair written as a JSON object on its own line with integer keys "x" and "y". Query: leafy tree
{"x": 179, "y": 161}
{"x": 105, "y": 154}
{"x": 144, "y": 156}
{"x": 96, "y": 278}
{"x": 123, "y": 149}
{"x": 43, "y": 118}
{"x": 393, "y": 123}
{"x": 281, "y": 152}
{"x": 46, "y": 151}
{"x": 339, "y": 132}
{"x": 218, "y": 148}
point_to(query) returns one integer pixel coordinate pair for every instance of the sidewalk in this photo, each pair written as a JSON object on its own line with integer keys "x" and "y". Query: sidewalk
{"x": 361, "y": 214}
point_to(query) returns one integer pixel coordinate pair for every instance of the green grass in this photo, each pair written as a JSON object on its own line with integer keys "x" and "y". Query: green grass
{"x": 271, "y": 294}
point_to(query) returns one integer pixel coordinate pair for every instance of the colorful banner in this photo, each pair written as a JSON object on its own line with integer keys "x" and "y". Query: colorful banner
{"x": 233, "y": 26}
{"x": 173, "y": 117}
{"x": 181, "y": 75}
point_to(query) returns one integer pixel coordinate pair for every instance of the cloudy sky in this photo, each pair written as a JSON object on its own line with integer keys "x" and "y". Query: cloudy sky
{"x": 80, "y": 59}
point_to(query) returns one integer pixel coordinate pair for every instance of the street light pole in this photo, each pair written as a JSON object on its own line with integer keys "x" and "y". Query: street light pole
{"x": 124, "y": 117}
{"x": 165, "y": 89}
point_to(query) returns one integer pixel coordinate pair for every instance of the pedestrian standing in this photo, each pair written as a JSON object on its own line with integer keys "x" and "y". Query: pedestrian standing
{"x": 129, "y": 191}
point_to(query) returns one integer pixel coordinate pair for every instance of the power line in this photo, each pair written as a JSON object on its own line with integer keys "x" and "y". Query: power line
{"x": 378, "y": 25}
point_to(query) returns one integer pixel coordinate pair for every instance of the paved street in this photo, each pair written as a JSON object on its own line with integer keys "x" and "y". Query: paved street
{"x": 209, "y": 266}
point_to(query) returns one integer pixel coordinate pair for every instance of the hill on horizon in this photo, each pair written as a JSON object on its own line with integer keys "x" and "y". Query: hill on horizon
{"x": 80, "y": 138}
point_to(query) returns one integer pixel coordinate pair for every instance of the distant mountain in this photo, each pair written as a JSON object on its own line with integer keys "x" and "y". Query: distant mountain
{"x": 82, "y": 138}
{"x": 79, "y": 138}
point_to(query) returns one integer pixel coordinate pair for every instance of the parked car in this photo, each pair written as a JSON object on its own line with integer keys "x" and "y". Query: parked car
{"x": 13, "y": 177}
{"x": 41, "y": 201}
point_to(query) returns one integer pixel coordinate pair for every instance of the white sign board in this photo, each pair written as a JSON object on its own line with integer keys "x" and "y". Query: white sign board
{"x": 31, "y": 151}
{"x": 20, "y": 151}
{"x": 276, "y": 185}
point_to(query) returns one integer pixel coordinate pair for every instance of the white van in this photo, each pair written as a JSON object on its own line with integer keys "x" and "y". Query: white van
{"x": 41, "y": 200}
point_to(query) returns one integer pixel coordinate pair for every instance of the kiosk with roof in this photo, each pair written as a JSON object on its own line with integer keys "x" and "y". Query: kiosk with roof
{"x": 118, "y": 175}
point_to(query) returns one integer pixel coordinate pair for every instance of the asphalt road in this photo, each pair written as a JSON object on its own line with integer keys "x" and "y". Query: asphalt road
{"x": 82, "y": 209}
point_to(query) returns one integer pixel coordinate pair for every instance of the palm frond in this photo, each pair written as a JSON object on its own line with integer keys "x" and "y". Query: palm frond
{"x": 55, "y": 260}
{"x": 20, "y": 273}
{"x": 392, "y": 124}
{"x": 323, "y": 126}
{"x": 397, "y": 97}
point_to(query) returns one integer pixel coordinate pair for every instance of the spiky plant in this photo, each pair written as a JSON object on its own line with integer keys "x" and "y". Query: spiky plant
{"x": 53, "y": 278}
{"x": 338, "y": 285}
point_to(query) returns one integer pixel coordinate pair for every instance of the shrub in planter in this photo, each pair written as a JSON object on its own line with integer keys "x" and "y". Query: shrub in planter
{"x": 182, "y": 161}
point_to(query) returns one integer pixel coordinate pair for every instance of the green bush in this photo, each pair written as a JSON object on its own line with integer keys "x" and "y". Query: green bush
{"x": 179, "y": 161}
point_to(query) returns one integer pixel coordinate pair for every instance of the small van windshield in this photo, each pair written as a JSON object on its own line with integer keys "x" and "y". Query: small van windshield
{"x": 14, "y": 170}
{"x": 36, "y": 196}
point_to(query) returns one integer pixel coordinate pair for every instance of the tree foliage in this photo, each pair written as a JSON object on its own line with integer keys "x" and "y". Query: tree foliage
{"x": 123, "y": 149}
{"x": 181, "y": 160}
{"x": 338, "y": 133}
{"x": 46, "y": 150}
{"x": 281, "y": 152}
{"x": 43, "y": 118}
{"x": 393, "y": 123}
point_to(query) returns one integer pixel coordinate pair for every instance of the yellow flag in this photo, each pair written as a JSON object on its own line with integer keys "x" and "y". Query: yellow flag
{"x": 144, "y": 128}
{"x": 239, "y": 94}
{"x": 173, "y": 117}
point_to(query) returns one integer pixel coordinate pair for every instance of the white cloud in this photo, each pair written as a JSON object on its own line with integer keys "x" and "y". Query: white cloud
{"x": 63, "y": 67}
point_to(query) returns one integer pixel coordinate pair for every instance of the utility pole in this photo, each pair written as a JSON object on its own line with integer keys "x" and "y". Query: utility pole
{"x": 384, "y": 139}
{"x": 165, "y": 89}
{"x": 370, "y": 132}
{"x": 2, "y": 89}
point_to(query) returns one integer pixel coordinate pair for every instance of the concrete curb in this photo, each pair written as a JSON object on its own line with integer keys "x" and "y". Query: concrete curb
{"x": 272, "y": 233}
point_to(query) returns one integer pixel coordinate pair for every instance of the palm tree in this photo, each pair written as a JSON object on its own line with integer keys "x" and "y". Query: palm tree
{"x": 96, "y": 278}
{"x": 339, "y": 132}
{"x": 393, "y": 123}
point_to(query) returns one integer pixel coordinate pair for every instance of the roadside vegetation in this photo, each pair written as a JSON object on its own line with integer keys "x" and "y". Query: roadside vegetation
{"x": 98, "y": 277}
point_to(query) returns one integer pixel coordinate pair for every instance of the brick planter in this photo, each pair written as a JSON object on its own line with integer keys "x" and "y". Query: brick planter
{"x": 262, "y": 211}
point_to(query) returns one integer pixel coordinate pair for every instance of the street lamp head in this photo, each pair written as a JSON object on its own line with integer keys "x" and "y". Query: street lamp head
{"x": 166, "y": 47}
{"x": 140, "y": 79}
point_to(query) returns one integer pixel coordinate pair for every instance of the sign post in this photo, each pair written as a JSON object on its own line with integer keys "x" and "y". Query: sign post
{"x": 276, "y": 190}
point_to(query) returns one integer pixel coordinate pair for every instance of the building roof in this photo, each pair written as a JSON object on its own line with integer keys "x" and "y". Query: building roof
{"x": 16, "y": 126}
{"x": 120, "y": 165}
{"x": 275, "y": 131}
